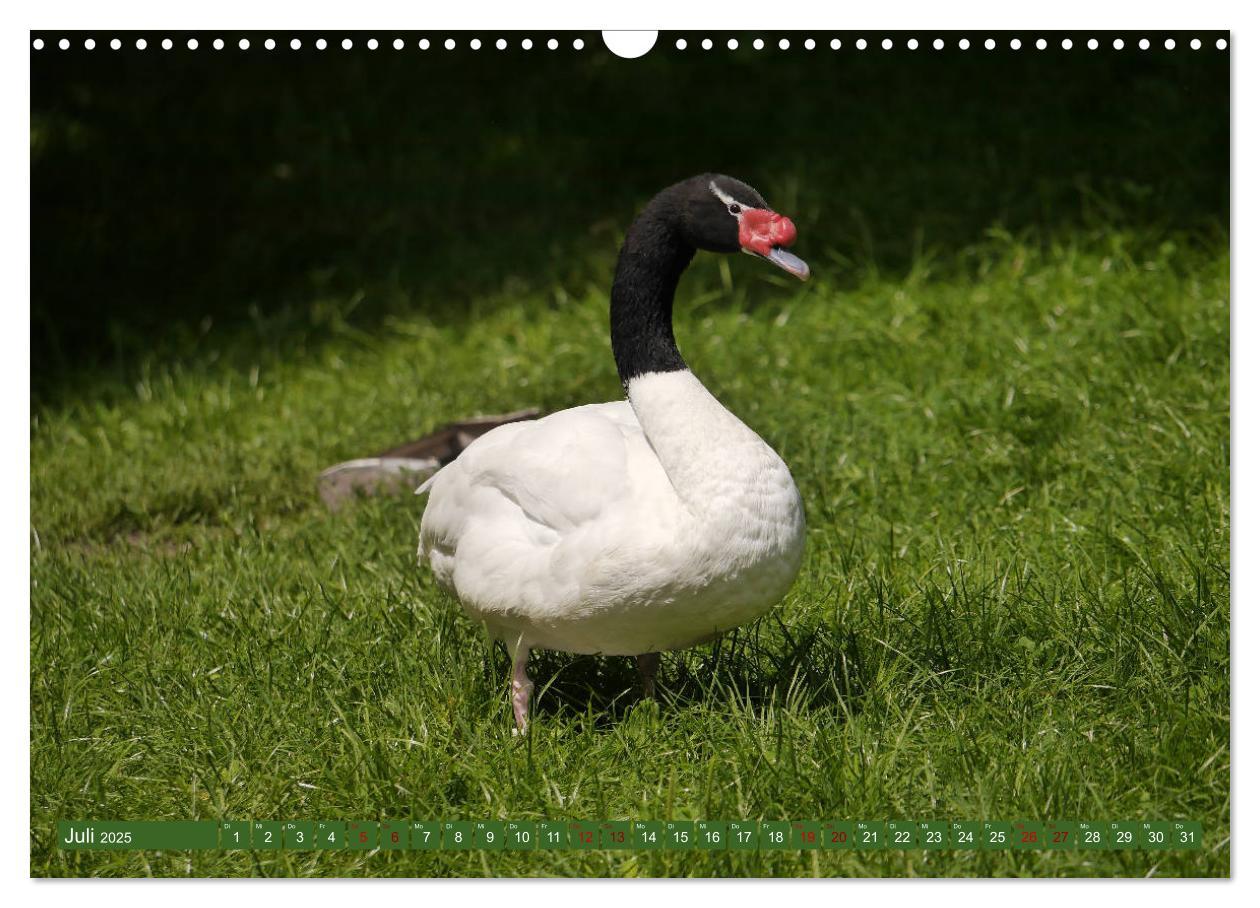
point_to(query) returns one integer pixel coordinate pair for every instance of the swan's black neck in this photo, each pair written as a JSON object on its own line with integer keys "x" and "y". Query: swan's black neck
{"x": 652, "y": 259}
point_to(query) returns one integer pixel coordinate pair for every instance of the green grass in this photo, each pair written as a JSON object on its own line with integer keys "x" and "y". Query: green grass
{"x": 1014, "y": 601}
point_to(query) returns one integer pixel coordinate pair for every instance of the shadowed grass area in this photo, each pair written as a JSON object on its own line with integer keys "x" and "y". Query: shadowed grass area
{"x": 190, "y": 196}
{"x": 1008, "y": 419}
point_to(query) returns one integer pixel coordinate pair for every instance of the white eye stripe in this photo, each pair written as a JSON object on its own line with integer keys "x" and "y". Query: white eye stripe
{"x": 727, "y": 199}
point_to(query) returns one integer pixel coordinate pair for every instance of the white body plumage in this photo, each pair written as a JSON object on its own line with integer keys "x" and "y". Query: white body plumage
{"x": 621, "y": 528}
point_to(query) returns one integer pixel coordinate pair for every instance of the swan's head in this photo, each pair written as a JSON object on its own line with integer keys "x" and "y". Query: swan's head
{"x": 722, "y": 214}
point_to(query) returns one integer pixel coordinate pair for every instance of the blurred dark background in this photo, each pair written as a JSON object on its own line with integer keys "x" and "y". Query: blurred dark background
{"x": 176, "y": 191}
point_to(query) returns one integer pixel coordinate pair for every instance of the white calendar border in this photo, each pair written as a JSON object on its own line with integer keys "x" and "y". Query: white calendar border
{"x": 668, "y": 14}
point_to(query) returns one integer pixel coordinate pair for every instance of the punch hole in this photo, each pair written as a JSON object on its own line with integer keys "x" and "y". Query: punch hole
{"x": 1170, "y": 44}
{"x": 38, "y": 44}
{"x": 115, "y": 44}
{"x": 913, "y": 44}
{"x": 64, "y": 43}
{"x": 1041, "y": 44}
{"x": 758, "y": 44}
{"x": 295, "y": 44}
{"x": 346, "y": 44}
{"x": 398, "y": 44}
{"x": 1221, "y": 44}
{"x": 784, "y": 44}
{"x": 552, "y": 44}
{"x": 631, "y": 44}
{"x": 320, "y": 44}
{"x": 1092, "y": 44}
{"x": 501, "y": 44}
{"x": 1118, "y": 44}
{"x": 1144, "y": 44}
{"x": 938, "y": 44}
{"x": 192, "y": 44}
{"x": 681, "y": 44}
{"x": 835, "y": 43}
{"x": 732, "y": 44}
{"x": 809, "y": 44}
{"x": 1195, "y": 43}
{"x": 578, "y": 44}
{"x": 1016, "y": 44}
{"x": 707, "y": 44}
{"x": 989, "y": 44}
{"x": 963, "y": 44}
{"x": 861, "y": 44}
{"x": 218, "y": 44}
{"x": 527, "y": 44}
{"x": 141, "y": 44}
{"x": 1067, "y": 44}
{"x": 373, "y": 44}
{"x": 886, "y": 44}
{"x": 90, "y": 44}
{"x": 475, "y": 44}
{"x": 270, "y": 44}
{"x": 449, "y": 43}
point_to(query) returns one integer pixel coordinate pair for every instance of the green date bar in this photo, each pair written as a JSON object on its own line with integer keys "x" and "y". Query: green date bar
{"x": 701, "y": 835}
{"x": 140, "y": 835}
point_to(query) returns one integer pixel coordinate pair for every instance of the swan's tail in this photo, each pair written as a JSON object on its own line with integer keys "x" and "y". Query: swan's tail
{"x": 428, "y": 483}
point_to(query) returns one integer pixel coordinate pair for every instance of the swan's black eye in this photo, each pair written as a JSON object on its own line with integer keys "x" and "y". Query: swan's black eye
{"x": 734, "y": 208}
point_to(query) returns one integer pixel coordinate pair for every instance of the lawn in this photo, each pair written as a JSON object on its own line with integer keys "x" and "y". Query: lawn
{"x": 1006, "y": 408}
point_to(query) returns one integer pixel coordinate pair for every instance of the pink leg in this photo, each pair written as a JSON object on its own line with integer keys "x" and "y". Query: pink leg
{"x": 522, "y": 687}
{"x": 648, "y": 664}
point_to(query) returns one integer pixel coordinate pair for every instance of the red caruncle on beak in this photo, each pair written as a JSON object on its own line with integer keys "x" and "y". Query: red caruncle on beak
{"x": 761, "y": 230}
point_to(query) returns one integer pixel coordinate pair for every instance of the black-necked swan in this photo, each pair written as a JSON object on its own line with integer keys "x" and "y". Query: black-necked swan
{"x": 629, "y": 528}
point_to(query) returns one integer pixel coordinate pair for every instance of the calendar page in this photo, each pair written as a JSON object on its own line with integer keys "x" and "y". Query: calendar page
{"x": 693, "y": 453}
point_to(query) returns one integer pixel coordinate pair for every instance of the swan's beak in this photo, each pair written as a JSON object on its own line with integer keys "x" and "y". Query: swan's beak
{"x": 788, "y": 262}
{"x": 767, "y": 234}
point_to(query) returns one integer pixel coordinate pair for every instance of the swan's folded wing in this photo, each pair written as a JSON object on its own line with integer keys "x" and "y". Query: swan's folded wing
{"x": 555, "y": 474}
